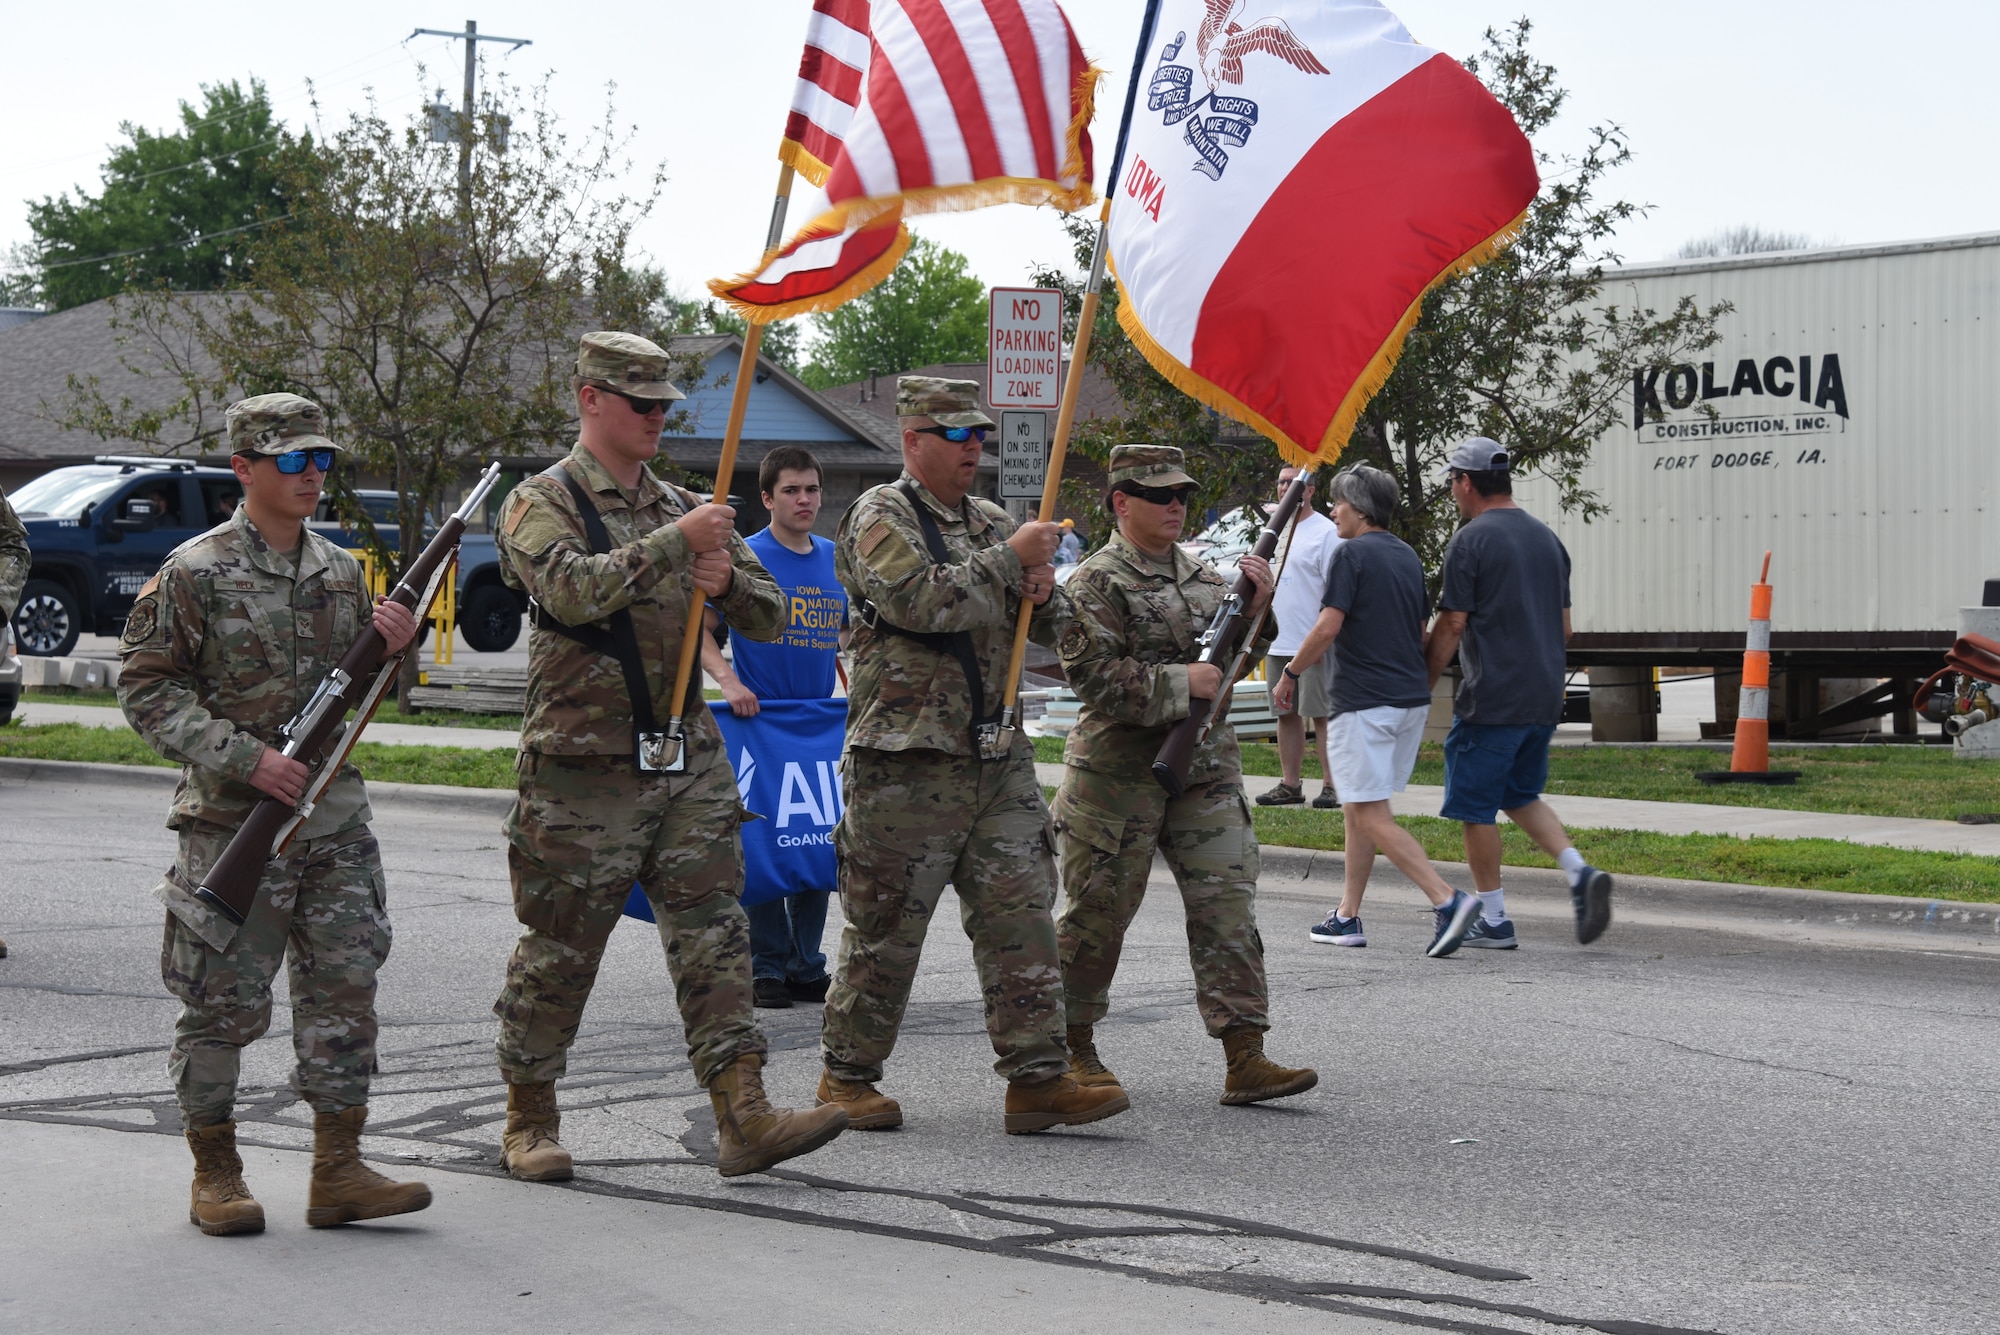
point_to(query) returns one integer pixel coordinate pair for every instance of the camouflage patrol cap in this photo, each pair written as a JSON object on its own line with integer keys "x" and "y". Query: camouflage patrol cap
{"x": 946, "y": 402}
{"x": 626, "y": 363}
{"x": 1148, "y": 466}
{"x": 276, "y": 424}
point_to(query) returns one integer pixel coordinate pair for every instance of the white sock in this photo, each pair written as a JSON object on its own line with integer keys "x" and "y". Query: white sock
{"x": 1572, "y": 862}
{"x": 1494, "y": 902}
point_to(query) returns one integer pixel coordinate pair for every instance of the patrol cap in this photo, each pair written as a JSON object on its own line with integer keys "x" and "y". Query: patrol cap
{"x": 626, "y": 363}
{"x": 1481, "y": 454}
{"x": 276, "y": 424}
{"x": 1147, "y": 465}
{"x": 946, "y": 402}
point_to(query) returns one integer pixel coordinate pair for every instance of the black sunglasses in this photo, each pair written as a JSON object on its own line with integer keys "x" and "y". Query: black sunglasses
{"x": 643, "y": 407}
{"x": 1159, "y": 495}
{"x": 957, "y": 435}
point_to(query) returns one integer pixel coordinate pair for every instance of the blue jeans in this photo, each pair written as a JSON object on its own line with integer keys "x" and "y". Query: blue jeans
{"x": 785, "y": 936}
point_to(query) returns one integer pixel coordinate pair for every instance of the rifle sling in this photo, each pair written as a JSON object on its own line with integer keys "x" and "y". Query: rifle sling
{"x": 621, "y": 641}
{"x": 956, "y": 643}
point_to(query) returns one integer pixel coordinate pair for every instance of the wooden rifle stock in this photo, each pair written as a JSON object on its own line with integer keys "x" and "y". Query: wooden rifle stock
{"x": 1219, "y": 647}
{"x": 230, "y": 886}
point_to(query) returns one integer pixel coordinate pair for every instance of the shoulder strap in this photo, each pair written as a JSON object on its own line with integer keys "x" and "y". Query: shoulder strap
{"x": 956, "y": 643}
{"x": 622, "y": 640}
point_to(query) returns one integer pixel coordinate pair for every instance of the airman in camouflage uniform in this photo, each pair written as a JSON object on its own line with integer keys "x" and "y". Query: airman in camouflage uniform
{"x": 924, "y": 807}
{"x": 14, "y": 562}
{"x": 1140, "y": 603}
{"x": 587, "y": 823}
{"x": 222, "y": 648}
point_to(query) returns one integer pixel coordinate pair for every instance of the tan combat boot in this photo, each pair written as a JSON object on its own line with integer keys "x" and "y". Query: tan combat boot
{"x": 345, "y": 1189}
{"x": 529, "y": 1149}
{"x": 867, "y": 1108}
{"x": 219, "y": 1203}
{"x": 1084, "y": 1064}
{"x": 1037, "y": 1105}
{"x": 1253, "y": 1077}
{"x": 751, "y": 1135}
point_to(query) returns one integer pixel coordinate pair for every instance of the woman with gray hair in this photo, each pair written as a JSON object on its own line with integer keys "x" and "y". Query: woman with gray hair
{"x": 1372, "y": 615}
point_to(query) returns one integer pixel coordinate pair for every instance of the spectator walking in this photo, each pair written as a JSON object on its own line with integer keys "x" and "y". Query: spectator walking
{"x": 1069, "y": 549}
{"x": 1505, "y": 612}
{"x": 1372, "y": 616}
{"x": 1301, "y": 583}
{"x": 786, "y": 961}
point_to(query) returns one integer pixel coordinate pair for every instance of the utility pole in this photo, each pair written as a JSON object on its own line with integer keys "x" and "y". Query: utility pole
{"x": 472, "y": 37}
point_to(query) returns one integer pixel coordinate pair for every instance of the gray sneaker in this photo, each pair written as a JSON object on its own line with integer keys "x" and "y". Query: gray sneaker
{"x": 1454, "y": 919}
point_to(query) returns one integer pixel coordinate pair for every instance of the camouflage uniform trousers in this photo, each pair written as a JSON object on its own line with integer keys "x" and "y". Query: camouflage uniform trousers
{"x": 319, "y": 911}
{"x": 1110, "y": 828}
{"x": 584, "y": 829}
{"x": 915, "y": 821}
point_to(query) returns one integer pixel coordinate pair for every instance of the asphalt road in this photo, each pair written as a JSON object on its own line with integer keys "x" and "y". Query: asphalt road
{"x": 1701, "y": 1123}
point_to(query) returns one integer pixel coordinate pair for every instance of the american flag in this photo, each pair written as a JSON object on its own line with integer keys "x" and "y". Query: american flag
{"x": 962, "y": 104}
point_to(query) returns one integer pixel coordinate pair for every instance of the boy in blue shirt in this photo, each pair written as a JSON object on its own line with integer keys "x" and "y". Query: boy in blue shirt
{"x": 786, "y": 961}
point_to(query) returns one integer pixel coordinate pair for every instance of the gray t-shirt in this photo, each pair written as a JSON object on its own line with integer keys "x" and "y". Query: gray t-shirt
{"x": 1510, "y": 573}
{"x": 1379, "y": 657}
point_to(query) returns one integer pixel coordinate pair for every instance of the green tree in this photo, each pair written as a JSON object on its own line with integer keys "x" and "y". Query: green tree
{"x": 178, "y": 210}
{"x": 436, "y": 337}
{"x": 929, "y": 309}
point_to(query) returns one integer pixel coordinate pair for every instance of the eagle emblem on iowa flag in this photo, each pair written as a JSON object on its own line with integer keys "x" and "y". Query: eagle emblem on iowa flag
{"x": 1220, "y": 47}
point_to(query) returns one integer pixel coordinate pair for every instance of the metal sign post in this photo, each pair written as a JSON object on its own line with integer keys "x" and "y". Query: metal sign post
{"x": 1024, "y": 460}
{"x": 1024, "y": 348}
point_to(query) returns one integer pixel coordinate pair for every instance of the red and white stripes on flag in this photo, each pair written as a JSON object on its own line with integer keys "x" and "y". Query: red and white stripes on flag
{"x": 964, "y": 103}
{"x": 1293, "y": 184}
{"x": 830, "y": 74}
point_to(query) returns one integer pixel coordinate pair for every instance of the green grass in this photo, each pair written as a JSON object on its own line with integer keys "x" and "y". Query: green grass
{"x": 388, "y": 713}
{"x": 1810, "y": 864}
{"x": 1925, "y": 782}
{"x": 453, "y": 766}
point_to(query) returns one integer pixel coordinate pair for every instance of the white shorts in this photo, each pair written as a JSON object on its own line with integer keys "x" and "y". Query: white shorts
{"x": 1372, "y": 752}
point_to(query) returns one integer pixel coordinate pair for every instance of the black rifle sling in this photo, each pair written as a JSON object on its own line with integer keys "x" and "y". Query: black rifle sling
{"x": 956, "y": 643}
{"x": 621, "y": 641}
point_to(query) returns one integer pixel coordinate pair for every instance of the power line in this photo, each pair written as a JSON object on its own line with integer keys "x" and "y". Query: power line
{"x": 185, "y": 243}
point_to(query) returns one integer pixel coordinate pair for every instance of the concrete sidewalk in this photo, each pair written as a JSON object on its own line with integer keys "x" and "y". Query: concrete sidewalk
{"x": 1939, "y": 836}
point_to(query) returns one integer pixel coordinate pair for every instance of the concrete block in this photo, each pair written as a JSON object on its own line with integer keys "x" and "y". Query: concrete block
{"x": 1624, "y": 705}
{"x": 1437, "y": 724}
{"x": 1980, "y": 743}
{"x": 40, "y": 674}
{"x": 87, "y": 674}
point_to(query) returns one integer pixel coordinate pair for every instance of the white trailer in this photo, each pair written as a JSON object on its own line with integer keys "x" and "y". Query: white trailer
{"x": 1853, "y": 400}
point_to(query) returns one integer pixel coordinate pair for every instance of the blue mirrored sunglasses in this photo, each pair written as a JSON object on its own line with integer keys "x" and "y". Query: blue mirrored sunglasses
{"x": 294, "y": 461}
{"x": 957, "y": 435}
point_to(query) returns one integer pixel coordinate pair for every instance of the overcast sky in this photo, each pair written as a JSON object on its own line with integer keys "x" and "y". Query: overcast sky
{"x": 1846, "y": 121}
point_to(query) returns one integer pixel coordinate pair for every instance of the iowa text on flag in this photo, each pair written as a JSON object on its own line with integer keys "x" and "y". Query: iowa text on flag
{"x": 964, "y": 103}
{"x": 830, "y": 74}
{"x": 1298, "y": 174}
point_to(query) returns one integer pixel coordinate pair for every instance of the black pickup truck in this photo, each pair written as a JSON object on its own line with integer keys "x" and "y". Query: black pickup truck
{"x": 99, "y": 531}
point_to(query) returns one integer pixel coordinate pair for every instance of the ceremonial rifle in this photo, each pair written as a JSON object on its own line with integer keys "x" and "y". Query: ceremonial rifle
{"x": 1224, "y": 642}
{"x": 365, "y": 674}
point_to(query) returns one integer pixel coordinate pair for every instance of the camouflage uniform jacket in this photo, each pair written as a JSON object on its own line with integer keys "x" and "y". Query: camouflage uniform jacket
{"x": 577, "y": 702}
{"x": 1126, "y": 654}
{"x": 14, "y": 559}
{"x": 223, "y": 647}
{"x": 905, "y": 696}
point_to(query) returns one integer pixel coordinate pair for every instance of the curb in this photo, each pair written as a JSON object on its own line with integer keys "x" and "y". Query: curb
{"x": 88, "y": 773}
{"x": 1316, "y": 874}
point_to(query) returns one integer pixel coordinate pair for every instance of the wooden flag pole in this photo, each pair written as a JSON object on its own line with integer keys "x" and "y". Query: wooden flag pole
{"x": 1052, "y": 482}
{"x": 725, "y": 468}
{"x": 1079, "y": 355}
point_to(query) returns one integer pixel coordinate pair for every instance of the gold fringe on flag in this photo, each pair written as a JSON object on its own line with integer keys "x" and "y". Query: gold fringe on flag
{"x": 1366, "y": 385}
{"x": 863, "y": 279}
{"x": 796, "y": 156}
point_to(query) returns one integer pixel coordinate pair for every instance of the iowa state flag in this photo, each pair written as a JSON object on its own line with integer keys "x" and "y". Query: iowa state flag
{"x": 1298, "y": 174}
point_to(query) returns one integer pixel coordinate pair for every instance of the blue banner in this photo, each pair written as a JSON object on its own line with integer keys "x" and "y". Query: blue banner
{"x": 786, "y": 758}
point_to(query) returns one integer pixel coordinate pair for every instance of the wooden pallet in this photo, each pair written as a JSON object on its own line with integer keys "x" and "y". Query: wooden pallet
{"x": 473, "y": 690}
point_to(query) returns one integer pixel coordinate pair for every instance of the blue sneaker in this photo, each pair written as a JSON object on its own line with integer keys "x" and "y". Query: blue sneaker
{"x": 1339, "y": 931}
{"x": 1490, "y": 935}
{"x": 1591, "y": 895}
{"x": 1454, "y": 919}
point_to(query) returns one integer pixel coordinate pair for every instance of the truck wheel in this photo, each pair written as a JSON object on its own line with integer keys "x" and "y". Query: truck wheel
{"x": 48, "y": 620}
{"x": 491, "y": 619}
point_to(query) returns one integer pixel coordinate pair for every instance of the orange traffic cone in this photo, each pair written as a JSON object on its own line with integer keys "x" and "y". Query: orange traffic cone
{"x": 1752, "y": 753}
{"x": 1750, "y": 759}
